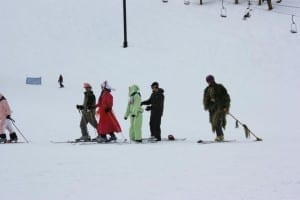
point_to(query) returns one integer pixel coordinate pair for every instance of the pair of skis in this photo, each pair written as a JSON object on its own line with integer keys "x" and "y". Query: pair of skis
{"x": 144, "y": 141}
{"x": 213, "y": 141}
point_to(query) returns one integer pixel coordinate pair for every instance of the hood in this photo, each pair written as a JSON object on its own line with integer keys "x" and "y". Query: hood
{"x": 133, "y": 89}
{"x": 160, "y": 90}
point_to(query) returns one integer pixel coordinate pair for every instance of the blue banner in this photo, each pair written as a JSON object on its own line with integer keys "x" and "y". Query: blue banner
{"x": 34, "y": 80}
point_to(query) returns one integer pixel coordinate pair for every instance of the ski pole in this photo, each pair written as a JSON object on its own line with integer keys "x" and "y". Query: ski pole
{"x": 19, "y": 131}
{"x": 247, "y": 130}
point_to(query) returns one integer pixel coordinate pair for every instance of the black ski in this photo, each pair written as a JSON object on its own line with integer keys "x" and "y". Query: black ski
{"x": 212, "y": 141}
{"x": 13, "y": 143}
{"x": 150, "y": 140}
{"x": 68, "y": 141}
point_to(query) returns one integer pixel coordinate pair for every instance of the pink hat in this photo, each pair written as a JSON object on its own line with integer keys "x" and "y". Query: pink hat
{"x": 86, "y": 85}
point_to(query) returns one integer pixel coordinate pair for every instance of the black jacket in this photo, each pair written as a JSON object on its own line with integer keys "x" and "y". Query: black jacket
{"x": 156, "y": 102}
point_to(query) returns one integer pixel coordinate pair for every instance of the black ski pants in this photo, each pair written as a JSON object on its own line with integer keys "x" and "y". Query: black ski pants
{"x": 155, "y": 121}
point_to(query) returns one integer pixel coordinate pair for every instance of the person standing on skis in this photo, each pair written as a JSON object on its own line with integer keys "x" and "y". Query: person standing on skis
{"x": 135, "y": 112}
{"x": 217, "y": 101}
{"x": 6, "y": 122}
{"x": 155, "y": 104}
{"x": 108, "y": 123}
{"x": 87, "y": 110}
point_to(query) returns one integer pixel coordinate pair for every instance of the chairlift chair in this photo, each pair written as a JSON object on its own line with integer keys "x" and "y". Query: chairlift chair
{"x": 293, "y": 26}
{"x": 186, "y": 2}
{"x": 223, "y": 10}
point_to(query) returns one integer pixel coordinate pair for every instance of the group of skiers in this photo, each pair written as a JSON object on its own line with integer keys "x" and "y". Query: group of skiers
{"x": 216, "y": 101}
{"x": 108, "y": 124}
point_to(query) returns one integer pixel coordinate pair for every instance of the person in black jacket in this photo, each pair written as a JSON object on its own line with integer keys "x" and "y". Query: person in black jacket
{"x": 155, "y": 104}
{"x": 87, "y": 110}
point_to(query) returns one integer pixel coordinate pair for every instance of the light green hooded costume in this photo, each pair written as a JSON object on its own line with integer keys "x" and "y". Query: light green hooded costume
{"x": 135, "y": 112}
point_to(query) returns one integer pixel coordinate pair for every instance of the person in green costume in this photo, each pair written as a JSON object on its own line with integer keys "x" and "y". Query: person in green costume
{"x": 135, "y": 112}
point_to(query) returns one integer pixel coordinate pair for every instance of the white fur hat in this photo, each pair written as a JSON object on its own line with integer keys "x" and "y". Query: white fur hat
{"x": 106, "y": 86}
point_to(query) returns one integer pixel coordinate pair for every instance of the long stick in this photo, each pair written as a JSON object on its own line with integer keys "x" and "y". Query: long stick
{"x": 245, "y": 126}
{"x": 20, "y": 132}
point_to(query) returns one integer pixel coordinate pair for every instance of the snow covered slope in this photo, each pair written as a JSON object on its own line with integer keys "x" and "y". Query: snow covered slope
{"x": 256, "y": 59}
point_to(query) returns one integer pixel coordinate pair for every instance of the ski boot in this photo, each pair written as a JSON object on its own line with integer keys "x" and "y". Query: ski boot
{"x": 112, "y": 138}
{"x": 13, "y": 138}
{"x": 84, "y": 138}
{"x": 3, "y": 138}
{"x": 102, "y": 139}
{"x": 219, "y": 138}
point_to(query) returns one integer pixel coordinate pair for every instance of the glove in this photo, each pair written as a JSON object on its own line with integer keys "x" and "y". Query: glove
{"x": 8, "y": 117}
{"x": 132, "y": 115}
{"x": 107, "y": 110}
{"x": 125, "y": 118}
{"x": 148, "y": 108}
{"x": 79, "y": 107}
{"x": 143, "y": 103}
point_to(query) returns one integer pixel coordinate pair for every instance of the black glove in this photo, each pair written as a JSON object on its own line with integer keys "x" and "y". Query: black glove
{"x": 8, "y": 117}
{"x": 107, "y": 110}
{"x": 79, "y": 107}
{"x": 125, "y": 118}
{"x": 148, "y": 108}
{"x": 132, "y": 115}
{"x": 143, "y": 103}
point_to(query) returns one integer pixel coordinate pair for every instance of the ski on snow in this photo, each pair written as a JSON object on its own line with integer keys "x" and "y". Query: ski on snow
{"x": 86, "y": 142}
{"x": 144, "y": 141}
{"x": 212, "y": 141}
{"x": 13, "y": 143}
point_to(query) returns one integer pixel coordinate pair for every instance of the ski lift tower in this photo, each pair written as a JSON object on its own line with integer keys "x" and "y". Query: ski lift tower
{"x": 125, "y": 43}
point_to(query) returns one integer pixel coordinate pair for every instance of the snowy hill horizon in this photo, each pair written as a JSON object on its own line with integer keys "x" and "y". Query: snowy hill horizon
{"x": 178, "y": 46}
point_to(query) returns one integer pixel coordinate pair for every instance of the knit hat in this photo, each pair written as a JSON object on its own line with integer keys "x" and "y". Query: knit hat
{"x": 210, "y": 79}
{"x": 86, "y": 85}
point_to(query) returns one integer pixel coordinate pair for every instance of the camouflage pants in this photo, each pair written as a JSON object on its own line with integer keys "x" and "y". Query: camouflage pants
{"x": 218, "y": 121}
{"x": 87, "y": 117}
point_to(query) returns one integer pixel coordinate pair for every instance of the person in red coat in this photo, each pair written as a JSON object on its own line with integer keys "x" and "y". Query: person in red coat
{"x": 108, "y": 123}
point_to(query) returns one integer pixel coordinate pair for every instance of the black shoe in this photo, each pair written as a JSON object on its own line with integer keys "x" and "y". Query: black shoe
{"x": 138, "y": 141}
{"x": 112, "y": 137}
{"x": 102, "y": 139}
{"x": 3, "y": 138}
{"x": 84, "y": 138}
{"x": 13, "y": 138}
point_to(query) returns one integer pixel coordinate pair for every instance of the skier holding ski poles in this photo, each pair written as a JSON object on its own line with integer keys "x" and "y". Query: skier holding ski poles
{"x": 87, "y": 110}
{"x": 6, "y": 122}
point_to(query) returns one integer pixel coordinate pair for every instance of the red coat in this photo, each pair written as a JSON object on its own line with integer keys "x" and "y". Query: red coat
{"x": 108, "y": 123}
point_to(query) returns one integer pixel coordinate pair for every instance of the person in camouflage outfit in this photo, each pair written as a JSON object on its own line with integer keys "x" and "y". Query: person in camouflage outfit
{"x": 87, "y": 110}
{"x": 217, "y": 101}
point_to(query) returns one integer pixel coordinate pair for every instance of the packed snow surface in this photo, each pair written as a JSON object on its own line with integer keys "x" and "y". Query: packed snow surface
{"x": 256, "y": 59}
